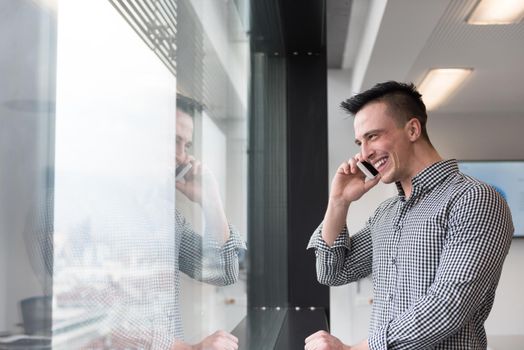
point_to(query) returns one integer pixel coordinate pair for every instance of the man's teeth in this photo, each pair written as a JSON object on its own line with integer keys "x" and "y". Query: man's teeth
{"x": 380, "y": 162}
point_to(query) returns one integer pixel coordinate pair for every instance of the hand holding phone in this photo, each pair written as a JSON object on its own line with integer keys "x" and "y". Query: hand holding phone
{"x": 368, "y": 169}
{"x": 181, "y": 171}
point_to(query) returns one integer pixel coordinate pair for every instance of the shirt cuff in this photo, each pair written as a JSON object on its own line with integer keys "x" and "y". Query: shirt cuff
{"x": 234, "y": 241}
{"x": 317, "y": 242}
{"x": 233, "y": 244}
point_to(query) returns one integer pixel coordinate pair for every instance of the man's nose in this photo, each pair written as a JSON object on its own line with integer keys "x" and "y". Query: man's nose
{"x": 366, "y": 152}
{"x": 181, "y": 155}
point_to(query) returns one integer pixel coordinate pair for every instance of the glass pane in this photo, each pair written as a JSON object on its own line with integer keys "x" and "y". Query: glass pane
{"x": 114, "y": 243}
{"x": 213, "y": 67}
{"x": 109, "y": 240}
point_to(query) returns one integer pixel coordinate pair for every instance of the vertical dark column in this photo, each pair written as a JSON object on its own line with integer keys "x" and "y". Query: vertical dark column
{"x": 307, "y": 173}
{"x": 267, "y": 251}
{"x": 288, "y": 163}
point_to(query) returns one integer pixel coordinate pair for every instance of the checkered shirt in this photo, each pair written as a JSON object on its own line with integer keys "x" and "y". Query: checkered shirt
{"x": 204, "y": 260}
{"x": 435, "y": 260}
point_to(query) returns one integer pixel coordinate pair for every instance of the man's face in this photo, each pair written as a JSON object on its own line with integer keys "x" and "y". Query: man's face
{"x": 184, "y": 137}
{"x": 383, "y": 142}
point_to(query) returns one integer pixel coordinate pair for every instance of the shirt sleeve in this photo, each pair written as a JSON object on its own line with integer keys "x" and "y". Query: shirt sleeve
{"x": 478, "y": 239}
{"x": 206, "y": 259}
{"x": 347, "y": 260}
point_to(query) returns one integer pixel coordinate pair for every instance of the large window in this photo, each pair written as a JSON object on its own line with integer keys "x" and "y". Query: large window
{"x": 124, "y": 203}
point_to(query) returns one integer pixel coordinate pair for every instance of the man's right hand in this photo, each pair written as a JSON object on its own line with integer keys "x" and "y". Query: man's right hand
{"x": 219, "y": 340}
{"x": 349, "y": 183}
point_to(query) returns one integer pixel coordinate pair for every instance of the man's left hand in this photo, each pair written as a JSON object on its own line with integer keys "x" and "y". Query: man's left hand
{"x": 322, "y": 340}
{"x": 198, "y": 180}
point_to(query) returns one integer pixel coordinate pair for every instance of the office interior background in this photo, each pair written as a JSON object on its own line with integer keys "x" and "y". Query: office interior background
{"x": 88, "y": 145}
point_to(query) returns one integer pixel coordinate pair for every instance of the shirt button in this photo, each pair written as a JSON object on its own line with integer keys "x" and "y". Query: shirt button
{"x": 394, "y": 260}
{"x": 391, "y": 297}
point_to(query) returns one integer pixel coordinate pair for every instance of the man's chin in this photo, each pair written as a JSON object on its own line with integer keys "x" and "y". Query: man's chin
{"x": 387, "y": 179}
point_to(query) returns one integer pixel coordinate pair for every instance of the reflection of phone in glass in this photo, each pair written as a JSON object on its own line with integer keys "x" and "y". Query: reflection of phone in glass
{"x": 181, "y": 171}
{"x": 368, "y": 169}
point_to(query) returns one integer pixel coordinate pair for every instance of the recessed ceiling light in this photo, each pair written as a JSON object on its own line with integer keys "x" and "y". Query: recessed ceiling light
{"x": 497, "y": 12}
{"x": 439, "y": 84}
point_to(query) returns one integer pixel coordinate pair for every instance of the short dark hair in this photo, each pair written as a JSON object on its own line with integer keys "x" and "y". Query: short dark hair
{"x": 403, "y": 101}
{"x": 188, "y": 105}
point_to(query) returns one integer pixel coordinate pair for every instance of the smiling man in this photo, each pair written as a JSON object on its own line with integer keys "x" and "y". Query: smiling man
{"x": 435, "y": 251}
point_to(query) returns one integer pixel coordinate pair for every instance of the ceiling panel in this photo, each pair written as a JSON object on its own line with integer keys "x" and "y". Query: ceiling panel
{"x": 415, "y": 36}
{"x": 495, "y": 52}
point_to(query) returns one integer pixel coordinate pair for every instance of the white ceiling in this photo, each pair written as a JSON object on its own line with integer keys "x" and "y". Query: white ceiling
{"x": 402, "y": 39}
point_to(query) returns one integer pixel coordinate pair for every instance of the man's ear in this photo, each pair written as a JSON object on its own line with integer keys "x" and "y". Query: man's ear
{"x": 413, "y": 129}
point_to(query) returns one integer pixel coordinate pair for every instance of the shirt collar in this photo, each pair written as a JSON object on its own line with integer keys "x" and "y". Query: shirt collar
{"x": 431, "y": 176}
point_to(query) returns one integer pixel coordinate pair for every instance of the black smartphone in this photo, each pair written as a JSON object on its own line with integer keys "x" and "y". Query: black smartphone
{"x": 181, "y": 171}
{"x": 368, "y": 169}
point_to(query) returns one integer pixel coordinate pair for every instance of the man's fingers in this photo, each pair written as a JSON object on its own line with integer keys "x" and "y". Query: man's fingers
{"x": 314, "y": 335}
{"x": 229, "y": 344}
{"x": 353, "y": 163}
{"x": 228, "y": 336}
{"x": 312, "y": 344}
{"x": 226, "y": 343}
{"x": 181, "y": 186}
{"x": 372, "y": 183}
{"x": 225, "y": 340}
{"x": 318, "y": 343}
{"x": 344, "y": 168}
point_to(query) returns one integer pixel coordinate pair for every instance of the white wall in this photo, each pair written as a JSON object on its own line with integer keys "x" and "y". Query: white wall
{"x": 223, "y": 26}
{"x": 461, "y": 137}
{"x": 350, "y": 309}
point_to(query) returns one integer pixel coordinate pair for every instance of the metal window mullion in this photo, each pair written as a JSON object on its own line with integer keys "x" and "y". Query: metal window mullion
{"x": 132, "y": 20}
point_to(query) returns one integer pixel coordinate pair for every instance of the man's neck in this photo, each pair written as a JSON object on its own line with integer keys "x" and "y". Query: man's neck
{"x": 422, "y": 158}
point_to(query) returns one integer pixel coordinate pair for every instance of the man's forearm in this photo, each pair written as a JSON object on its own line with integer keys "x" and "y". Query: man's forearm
{"x": 180, "y": 345}
{"x": 215, "y": 217}
{"x": 363, "y": 345}
{"x": 334, "y": 221}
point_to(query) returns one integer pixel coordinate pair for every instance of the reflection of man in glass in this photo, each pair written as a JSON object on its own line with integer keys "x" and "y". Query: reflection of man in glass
{"x": 214, "y": 257}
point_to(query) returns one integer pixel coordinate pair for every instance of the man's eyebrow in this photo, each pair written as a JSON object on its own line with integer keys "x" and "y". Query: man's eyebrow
{"x": 374, "y": 131}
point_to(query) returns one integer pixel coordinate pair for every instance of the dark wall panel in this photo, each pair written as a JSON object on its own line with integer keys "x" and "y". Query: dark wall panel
{"x": 267, "y": 251}
{"x": 307, "y": 173}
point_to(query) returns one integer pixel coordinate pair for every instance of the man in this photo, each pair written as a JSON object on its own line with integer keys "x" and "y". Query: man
{"x": 222, "y": 243}
{"x": 435, "y": 251}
